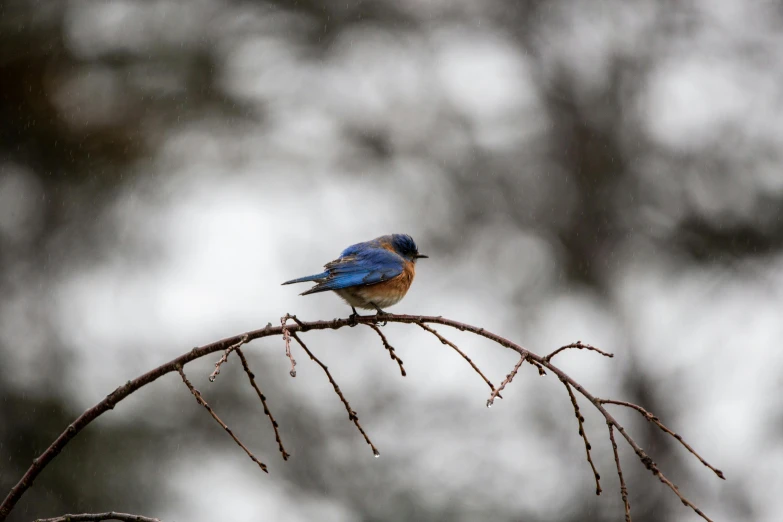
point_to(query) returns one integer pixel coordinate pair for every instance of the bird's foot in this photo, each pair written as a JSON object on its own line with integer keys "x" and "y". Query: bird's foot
{"x": 353, "y": 318}
{"x": 379, "y": 313}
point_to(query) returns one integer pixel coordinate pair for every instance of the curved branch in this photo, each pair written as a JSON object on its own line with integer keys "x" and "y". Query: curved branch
{"x": 290, "y": 330}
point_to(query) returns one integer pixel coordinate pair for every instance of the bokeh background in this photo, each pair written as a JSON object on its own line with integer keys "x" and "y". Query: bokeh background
{"x": 603, "y": 170}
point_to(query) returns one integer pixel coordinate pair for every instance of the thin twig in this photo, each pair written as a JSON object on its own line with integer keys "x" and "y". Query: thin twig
{"x": 579, "y": 345}
{"x": 294, "y": 319}
{"x": 389, "y": 347}
{"x": 540, "y": 368}
{"x": 463, "y": 354}
{"x": 583, "y": 433}
{"x": 287, "y": 339}
{"x": 645, "y": 459}
{"x": 506, "y": 381}
{"x": 201, "y": 401}
{"x": 352, "y": 415}
{"x": 251, "y": 376}
{"x": 224, "y": 358}
{"x": 655, "y": 420}
{"x": 623, "y": 489}
{"x": 97, "y": 517}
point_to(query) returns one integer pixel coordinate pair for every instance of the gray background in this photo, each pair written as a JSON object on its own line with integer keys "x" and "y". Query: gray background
{"x": 608, "y": 171}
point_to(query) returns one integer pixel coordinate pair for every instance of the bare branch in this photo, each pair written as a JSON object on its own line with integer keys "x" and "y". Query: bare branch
{"x": 506, "y": 381}
{"x": 579, "y": 345}
{"x": 652, "y": 418}
{"x": 389, "y": 347}
{"x": 352, "y": 415}
{"x": 287, "y": 339}
{"x": 97, "y": 517}
{"x": 445, "y": 341}
{"x": 201, "y": 401}
{"x": 623, "y": 489}
{"x": 251, "y": 376}
{"x": 288, "y": 330}
{"x": 224, "y": 358}
{"x": 540, "y": 368}
{"x": 583, "y": 434}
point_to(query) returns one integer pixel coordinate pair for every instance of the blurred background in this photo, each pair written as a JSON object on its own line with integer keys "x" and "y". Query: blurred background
{"x": 602, "y": 170}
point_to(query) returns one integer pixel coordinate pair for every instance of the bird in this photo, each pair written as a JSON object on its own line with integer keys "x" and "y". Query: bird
{"x": 371, "y": 275}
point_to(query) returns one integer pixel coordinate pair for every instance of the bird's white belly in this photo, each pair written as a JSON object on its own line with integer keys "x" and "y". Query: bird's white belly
{"x": 364, "y": 297}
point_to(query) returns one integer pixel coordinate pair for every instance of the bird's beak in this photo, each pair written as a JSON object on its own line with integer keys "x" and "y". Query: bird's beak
{"x": 421, "y": 256}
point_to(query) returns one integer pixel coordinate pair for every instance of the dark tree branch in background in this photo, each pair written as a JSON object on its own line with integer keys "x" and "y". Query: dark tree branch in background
{"x": 97, "y": 517}
{"x": 292, "y": 330}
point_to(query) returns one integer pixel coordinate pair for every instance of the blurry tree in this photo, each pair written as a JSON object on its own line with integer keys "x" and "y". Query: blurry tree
{"x": 90, "y": 89}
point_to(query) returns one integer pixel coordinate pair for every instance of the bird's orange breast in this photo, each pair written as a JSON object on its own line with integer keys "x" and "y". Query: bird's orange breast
{"x": 393, "y": 290}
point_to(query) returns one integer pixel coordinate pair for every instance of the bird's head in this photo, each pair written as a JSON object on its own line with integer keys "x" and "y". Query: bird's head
{"x": 405, "y": 246}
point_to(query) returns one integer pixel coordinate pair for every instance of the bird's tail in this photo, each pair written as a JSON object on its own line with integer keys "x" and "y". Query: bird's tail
{"x": 304, "y": 279}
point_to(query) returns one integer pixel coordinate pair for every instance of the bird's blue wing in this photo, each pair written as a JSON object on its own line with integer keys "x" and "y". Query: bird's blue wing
{"x": 363, "y": 247}
{"x": 362, "y": 266}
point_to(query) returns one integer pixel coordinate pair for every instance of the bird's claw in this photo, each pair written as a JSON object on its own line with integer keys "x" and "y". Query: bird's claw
{"x": 380, "y": 313}
{"x": 352, "y": 319}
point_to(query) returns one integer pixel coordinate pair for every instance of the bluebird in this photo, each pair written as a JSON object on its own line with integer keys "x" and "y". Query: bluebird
{"x": 371, "y": 275}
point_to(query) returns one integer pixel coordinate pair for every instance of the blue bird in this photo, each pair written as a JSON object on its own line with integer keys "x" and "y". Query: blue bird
{"x": 370, "y": 275}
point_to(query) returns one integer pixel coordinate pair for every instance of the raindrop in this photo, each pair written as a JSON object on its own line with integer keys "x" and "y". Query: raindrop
{"x": 376, "y": 453}
{"x": 489, "y": 404}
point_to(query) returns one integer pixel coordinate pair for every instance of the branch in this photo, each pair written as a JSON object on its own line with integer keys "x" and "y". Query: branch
{"x": 201, "y": 401}
{"x": 623, "y": 489}
{"x": 579, "y": 345}
{"x": 389, "y": 347}
{"x": 352, "y": 415}
{"x": 287, "y": 339}
{"x": 652, "y": 418}
{"x": 583, "y": 434}
{"x": 445, "y": 341}
{"x": 251, "y": 376}
{"x": 224, "y": 358}
{"x": 506, "y": 382}
{"x": 97, "y": 517}
{"x": 291, "y": 330}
